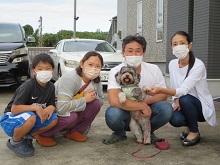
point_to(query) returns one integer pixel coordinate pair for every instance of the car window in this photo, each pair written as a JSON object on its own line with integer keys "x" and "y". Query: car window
{"x": 75, "y": 46}
{"x": 104, "y": 47}
{"x": 10, "y": 33}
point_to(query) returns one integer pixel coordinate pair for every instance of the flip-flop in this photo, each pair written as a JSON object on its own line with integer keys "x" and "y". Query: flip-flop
{"x": 113, "y": 139}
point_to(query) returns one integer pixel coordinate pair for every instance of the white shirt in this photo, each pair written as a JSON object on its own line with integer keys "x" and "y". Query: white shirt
{"x": 151, "y": 75}
{"x": 195, "y": 84}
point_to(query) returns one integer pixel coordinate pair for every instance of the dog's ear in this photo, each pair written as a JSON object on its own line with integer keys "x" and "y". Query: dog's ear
{"x": 117, "y": 77}
{"x": 137, "y": 78}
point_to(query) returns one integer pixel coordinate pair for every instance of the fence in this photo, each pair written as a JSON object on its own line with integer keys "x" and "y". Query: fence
{"x": 33, "y": 51}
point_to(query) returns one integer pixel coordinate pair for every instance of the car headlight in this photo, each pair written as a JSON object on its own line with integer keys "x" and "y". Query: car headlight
{"x": 20, "y": 59}
{"x": 71, "y": 64}
{"x": 20, "y": 51}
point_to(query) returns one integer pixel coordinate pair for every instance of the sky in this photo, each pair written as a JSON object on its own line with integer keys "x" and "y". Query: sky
{"x": 59, "y": 14}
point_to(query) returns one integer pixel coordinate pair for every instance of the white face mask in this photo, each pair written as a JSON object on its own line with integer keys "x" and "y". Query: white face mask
{"x": 44, "y": 76}
{"x": 91, "y": 73}
{"x": 133, "y": 61}
{"x": 181, "y": 51}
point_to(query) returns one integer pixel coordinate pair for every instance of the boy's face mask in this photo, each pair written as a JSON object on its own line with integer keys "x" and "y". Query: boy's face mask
{"x": 44, "y": 76}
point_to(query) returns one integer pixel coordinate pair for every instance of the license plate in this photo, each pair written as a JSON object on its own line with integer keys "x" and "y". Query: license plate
{"x": 104, "y": 76}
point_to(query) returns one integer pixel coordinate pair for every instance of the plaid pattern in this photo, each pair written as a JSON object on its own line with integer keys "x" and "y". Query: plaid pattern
{"x": 11, "y": 121}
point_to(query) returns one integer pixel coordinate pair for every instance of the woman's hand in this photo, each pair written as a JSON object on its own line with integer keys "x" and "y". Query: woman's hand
{"x": 177, "y": 105}
{"x": 154, "y": 91}
{"x": 90, "y": 95}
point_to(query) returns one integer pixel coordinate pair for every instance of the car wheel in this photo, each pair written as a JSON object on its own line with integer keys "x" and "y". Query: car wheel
{"x": 59, "y": 72}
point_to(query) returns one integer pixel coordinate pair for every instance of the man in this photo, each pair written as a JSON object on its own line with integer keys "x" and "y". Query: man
{"x": 156, "y": 108}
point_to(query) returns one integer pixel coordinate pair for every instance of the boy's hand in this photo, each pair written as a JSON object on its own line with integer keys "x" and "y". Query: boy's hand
{"x": 42, "y": 113}
{"x": 49, "y": 111}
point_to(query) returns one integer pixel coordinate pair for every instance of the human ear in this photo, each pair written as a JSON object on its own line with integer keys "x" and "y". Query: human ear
{"x": 190, "y": 46}
{"x": 33, "y": 71}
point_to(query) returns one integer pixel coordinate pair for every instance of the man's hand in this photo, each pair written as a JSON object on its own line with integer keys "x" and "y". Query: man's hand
{"x": 146, "y": 111}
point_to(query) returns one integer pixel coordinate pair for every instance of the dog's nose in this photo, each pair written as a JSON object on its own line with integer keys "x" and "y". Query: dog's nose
{"x": 127, "y": 75}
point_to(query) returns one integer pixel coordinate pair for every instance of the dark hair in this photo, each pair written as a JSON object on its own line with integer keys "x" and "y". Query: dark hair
{"x": 191, "y": 56}
{"x": 45, "y": 58}
{"x": 85, "y": 58}
{"x": 137, "y": 38}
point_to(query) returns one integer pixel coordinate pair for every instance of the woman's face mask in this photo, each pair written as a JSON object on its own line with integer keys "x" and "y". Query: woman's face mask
{"x": 133, "y": 61}
{"x": 91, "y": 73}
{"x": 181, "y": 51}
{"x": 44, "y": 76}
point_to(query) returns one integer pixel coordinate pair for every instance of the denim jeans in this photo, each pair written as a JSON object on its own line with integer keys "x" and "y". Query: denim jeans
{"x": 118, "y": 120}
{"x": 189, "y": 114}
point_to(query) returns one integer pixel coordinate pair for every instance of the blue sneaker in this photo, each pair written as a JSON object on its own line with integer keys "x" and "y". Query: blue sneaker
{"x": 20, "y": 149}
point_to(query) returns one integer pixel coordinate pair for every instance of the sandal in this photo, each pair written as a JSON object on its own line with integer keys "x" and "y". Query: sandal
{"x": 113, "y": 139}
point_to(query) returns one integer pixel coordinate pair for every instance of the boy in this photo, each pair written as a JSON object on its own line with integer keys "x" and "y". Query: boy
{"x": 31, "y": 110}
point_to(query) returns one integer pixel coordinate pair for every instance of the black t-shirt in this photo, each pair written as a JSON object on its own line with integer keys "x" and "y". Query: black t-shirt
{"x": 30, "y": 92}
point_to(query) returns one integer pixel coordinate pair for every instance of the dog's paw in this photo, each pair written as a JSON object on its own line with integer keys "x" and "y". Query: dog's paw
{"x": 145, "y": 88}
{"x": 122, "y": 97}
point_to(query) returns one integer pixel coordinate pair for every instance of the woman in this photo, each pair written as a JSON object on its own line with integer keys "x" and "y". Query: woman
{"x": 192, "y": 100}
{"x": 79, "y": 99}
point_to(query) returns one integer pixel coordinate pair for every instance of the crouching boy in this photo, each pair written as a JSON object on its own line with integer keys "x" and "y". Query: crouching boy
{"x": 31, "y": 110}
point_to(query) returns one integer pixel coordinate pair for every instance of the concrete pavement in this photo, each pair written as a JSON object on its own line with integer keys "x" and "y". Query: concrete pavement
{"x": 94, "y": 152}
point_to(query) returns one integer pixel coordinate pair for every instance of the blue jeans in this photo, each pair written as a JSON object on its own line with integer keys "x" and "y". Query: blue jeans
{"x": 118, "y": 120}
{"x": 189, "y": 114}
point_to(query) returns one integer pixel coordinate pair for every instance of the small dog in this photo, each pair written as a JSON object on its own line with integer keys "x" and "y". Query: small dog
{"x": 129, "y": 79}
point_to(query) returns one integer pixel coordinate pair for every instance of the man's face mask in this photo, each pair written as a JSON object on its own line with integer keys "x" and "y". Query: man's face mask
{"x": 133, "y": 61}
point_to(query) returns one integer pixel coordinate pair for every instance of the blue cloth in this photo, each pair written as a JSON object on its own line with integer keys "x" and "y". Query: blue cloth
{"x": 189, "y": 114}
{"x": 118, "y": 120}
{"x": 11, "y": 121}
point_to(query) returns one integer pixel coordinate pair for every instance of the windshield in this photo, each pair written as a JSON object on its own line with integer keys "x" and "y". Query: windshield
{"x": 76, "y": 46}
{"x": 10, "y": 33}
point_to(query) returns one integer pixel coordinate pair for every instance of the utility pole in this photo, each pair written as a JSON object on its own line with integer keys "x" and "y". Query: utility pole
{"x": 40, "y": 31}
{"x": 75, "y": 19}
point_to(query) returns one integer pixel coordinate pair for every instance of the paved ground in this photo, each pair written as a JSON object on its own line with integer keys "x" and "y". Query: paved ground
{"x": 94, "y": 152}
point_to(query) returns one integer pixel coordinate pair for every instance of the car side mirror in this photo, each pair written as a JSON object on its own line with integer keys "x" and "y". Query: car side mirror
{"x": 53, "y": 51}
{"x": 30, "y": 39}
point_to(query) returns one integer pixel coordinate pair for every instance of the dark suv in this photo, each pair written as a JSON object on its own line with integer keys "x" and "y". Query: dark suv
{"x": 14, "y": 63}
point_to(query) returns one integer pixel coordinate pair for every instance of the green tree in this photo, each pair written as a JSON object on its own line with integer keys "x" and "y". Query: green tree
{"x": 49, "y": 40}
{"x": 28, "y": 30}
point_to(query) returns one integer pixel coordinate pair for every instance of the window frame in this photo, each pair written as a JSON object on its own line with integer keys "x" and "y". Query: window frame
{"x": 139, "y": 17}
{"x": 159, "y": 21}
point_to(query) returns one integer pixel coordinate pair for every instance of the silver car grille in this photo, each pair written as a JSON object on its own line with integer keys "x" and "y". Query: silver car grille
{"x": 4, "y": 58}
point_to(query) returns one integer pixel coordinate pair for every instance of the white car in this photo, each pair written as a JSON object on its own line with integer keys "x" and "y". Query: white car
{"x": 68, "y": 53}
